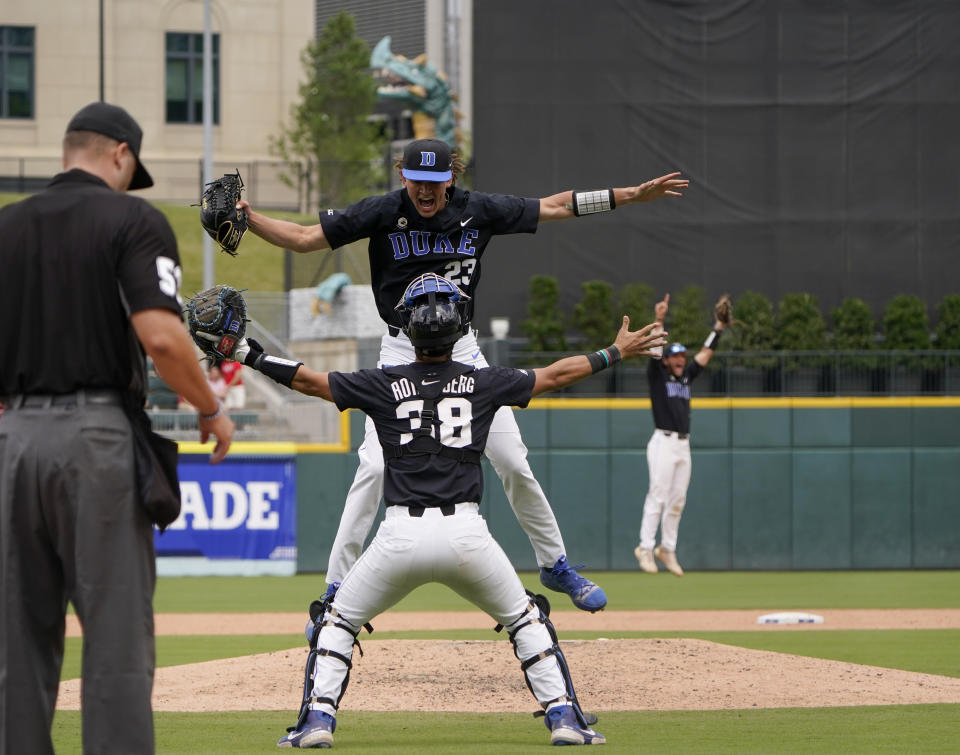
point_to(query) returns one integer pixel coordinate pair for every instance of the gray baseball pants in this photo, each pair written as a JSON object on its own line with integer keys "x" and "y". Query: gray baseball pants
{"x": 71, "y": 529}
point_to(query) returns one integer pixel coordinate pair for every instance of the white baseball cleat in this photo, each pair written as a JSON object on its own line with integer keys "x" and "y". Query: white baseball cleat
{"x": 645, "y": 559}
{"x": 668, "y": 559}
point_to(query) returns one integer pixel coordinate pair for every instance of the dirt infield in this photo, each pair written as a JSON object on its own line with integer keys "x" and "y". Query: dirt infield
{"x": 645, "y": 674}
{"x": 649, "y": 621}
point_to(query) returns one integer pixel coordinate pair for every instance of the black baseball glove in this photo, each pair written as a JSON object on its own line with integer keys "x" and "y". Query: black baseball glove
{"x": 219, "y": 215}
{"x": 217, "y": 319}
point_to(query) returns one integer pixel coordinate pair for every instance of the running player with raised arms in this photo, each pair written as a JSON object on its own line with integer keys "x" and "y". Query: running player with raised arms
{"x": 431, "y": 225}
{"x": 668, "y": 452}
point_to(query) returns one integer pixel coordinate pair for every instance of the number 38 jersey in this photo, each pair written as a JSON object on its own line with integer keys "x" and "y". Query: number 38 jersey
{"x": 403, "y": 244}
{"x": 463, "y": 413}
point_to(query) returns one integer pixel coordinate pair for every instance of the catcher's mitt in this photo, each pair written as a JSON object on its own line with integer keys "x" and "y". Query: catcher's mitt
{"x": 723, "y": 309}
{"x": 219, "y": 215}
{"x": 217, "y": 319}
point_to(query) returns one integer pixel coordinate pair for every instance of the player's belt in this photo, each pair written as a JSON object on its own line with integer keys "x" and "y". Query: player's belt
{"x": 82, "y": 397}
{"x": 681, "y": 436}
{"x": 448, "y": 509}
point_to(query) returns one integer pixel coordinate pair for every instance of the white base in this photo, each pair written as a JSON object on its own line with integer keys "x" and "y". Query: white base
{"x": 790, "y": 617}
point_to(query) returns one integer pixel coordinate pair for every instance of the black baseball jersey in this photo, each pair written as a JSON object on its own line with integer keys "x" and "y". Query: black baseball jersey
{"x": 64, "y": 252}
{"x": 462, "y": 416}
{"x": 670, "y": 395}
{"x": 404, "y": 245}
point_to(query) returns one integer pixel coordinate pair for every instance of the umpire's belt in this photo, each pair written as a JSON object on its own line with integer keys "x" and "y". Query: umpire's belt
{"x": 448, "y": 509}
{"x": 82, "y": 397}
{"x": 681, "y": 436}
{"x": 395, "y": 331}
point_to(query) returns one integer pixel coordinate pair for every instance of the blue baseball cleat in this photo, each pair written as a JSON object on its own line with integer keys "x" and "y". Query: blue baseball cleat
{"x": 566, "y": 729}
{"x": 317, "y": 731}
{"x": 586, "y": 595}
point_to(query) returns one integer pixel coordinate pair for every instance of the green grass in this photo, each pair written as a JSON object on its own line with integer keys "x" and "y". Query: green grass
{"x": 627, "y": 591}
{"x": 886, "y": 729}
{"x": 882, "y": 729}
{"x": 261, "y": 268}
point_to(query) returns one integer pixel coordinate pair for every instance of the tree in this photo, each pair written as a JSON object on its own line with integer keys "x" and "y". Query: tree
{"x": 635, "y": 300}
{"x": 852, "y": 326}
{"x": 799, "y": 324}
{"x": 754, "y": 330}
{"x": 688, "y": 319}
{"x": 593, "y": 316}
{"x": 905, "y": 323}
{"x": 948, "y": 322}
{"x": 329, "y": 127}
{"x": 545, "y": 326}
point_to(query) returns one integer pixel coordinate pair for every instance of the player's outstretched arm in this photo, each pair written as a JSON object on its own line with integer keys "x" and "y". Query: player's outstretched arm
{"x": 571, "y": 369}
{"x": 294, "y": 375}
{"x": 283, "y": 233}
{"x": 568, "y": 204}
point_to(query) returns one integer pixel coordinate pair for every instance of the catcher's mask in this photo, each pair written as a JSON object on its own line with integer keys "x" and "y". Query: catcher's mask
{"x": 432, "y": 313}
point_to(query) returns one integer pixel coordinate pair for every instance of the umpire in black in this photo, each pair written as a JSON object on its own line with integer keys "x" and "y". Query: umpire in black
{"x": 88, "y": 270}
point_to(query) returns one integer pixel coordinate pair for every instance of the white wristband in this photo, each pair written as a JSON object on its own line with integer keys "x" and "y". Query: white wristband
{"x": 591, "y": 202}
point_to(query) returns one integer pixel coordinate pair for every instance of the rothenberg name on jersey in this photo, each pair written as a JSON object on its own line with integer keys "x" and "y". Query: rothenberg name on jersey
{"x": 403, "y": 388}
{"x": 429, "y": 242}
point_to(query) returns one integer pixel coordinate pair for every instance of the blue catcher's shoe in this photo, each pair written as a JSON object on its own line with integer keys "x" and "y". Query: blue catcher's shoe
{"x": 585, "y": 595}
{"x": 317, "y": 731}
{"x": 566, "y": 729}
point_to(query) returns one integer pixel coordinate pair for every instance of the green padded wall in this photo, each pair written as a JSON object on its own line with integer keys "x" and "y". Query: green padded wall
{"x": 776, "y": 484}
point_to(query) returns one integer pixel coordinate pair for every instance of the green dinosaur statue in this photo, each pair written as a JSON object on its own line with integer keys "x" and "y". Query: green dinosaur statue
{"x": 419, "y": 84}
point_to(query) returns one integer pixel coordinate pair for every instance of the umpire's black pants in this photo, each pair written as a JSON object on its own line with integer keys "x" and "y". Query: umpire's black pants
{"x": 71, "y": 529}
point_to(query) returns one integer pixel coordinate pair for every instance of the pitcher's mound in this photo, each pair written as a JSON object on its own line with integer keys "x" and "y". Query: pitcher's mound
{"x": 444, "y": 675}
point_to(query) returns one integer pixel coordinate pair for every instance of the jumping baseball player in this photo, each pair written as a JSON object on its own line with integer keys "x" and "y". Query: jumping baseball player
{"x": 430, "y": 225}
{"x": 432, "y": 419}
{"x": 668, "y": 452}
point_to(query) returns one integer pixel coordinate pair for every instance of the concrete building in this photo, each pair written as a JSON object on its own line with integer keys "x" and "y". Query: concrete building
{"x": 146, "y": 55}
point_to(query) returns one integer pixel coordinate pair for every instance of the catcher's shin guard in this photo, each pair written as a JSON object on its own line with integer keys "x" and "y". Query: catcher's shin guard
{"x": 323, "y": 614}
{"x": 542, "y": 606}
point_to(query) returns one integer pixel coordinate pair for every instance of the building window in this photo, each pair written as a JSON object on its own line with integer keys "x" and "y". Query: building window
{"x": 16, "y": 71}
{"x": 185, "y": 78}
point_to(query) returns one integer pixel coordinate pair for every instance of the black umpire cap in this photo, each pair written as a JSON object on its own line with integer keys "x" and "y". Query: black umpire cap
{"x": 427, "y": 160}
{"x": 117, "y": 123}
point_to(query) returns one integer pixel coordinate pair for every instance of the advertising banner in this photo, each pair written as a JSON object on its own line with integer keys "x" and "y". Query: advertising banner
{"x": 237, "y": 517}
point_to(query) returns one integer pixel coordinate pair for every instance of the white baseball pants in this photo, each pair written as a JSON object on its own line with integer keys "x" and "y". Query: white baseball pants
{"x": 668, "y": 458}
{"x": 505, "y": 450}
{"x": 457, "y": 551}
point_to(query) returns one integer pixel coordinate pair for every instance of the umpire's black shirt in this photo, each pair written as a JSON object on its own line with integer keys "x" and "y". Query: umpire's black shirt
{"x": 670, "y": 395}
{"x": 62, "y": 254}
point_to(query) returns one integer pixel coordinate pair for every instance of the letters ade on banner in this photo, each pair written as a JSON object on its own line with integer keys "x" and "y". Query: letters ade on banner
{"x": 238, "y": 509}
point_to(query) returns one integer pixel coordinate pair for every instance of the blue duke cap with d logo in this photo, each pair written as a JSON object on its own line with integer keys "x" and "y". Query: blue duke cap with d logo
{"x": 427, "y": 160}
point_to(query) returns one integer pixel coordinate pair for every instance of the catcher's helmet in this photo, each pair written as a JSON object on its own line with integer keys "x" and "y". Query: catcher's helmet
{"x": 431, "y": 310}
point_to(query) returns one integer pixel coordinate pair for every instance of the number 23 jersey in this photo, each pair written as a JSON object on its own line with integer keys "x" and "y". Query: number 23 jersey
{"x": 403, "y": 244}
{"x": 463, "y": 414}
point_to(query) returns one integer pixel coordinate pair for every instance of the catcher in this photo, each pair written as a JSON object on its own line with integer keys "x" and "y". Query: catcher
{"x": 668, "y": 452}
{"x": 219, "y": 215}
